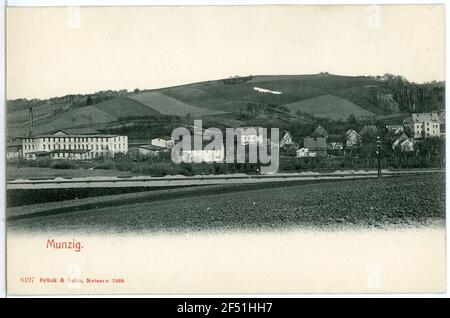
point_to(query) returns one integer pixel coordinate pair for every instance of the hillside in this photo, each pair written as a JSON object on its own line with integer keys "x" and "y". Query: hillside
{"x": 291, "y": 88}
{"x": 167, "y": 105}
{"x": 88, "y": 116}
{"x": 246, "y": 100}
{"x": 124, "y": 107}
{"x": 329, "y": 106}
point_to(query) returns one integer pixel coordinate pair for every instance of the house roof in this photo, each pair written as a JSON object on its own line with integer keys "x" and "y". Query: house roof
{"x": 163, "y": 137}
{"x": 400, "y": 137}
{"x": 401, "y": 140}
{"x": 62, "y": 136}
{"x": 153, "y": 148}
{"x": 14, "y": 144}
{"x": 69, "y": 151}
{"x": 351, "y": 131}
{"x": 320, "y": 132}
{"x": 59, "y": 151}
{"x": 77, "y": 131}
{"x": 407, "y": 140}
{"x": 285, "y": 133}
{"x": 424, "y": 117}
{"x": 394, "y": 126}
{"x": 315, "y": 143}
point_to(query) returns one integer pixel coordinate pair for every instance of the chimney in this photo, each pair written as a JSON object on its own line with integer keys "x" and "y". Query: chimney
{"x": 30, "y": 131}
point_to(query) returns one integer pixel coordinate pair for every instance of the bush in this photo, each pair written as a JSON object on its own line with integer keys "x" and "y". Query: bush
{"x": 159, "y": 169}
{"x": 106, "y": 165}
{"x": 202, "y": 168}
{"x": 220, "y": 168}
{"x": 124, "y": 166}
{"x": 41, "y": 163}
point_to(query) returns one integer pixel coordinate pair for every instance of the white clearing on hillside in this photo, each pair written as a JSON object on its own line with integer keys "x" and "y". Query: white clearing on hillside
{"x": 264, "y": 90}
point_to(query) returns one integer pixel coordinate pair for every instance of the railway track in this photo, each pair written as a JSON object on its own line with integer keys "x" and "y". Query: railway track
{"x": 132, "y": 181}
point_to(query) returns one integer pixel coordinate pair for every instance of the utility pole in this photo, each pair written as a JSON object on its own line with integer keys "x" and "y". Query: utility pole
{"x": 30, "y": 121}
{"x": 379, "y": 156}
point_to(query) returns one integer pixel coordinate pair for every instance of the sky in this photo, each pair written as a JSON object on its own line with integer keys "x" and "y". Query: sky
{"x": 58, "y": 51}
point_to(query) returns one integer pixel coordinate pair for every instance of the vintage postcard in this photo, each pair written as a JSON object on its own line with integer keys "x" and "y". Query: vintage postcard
{"x": 225, "y": 149}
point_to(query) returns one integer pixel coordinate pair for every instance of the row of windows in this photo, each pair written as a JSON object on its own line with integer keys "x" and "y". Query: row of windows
{"x": 78, "y": 139}
{"x": 418, "y": 132}
{"x": 71, "y": 155}
{"x": 428, "y": 124}
{"x": 89, "y": 147}
{"x": 427, "y": 129}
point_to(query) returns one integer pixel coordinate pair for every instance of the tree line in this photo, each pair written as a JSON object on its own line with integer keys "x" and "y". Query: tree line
{"x": 412, "y": 97}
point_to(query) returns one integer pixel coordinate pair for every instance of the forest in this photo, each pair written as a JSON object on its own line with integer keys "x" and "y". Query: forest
{"x": 410, "y": 97}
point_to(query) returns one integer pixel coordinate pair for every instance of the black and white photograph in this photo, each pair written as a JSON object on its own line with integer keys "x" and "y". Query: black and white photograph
{"x": 225, "y": 149}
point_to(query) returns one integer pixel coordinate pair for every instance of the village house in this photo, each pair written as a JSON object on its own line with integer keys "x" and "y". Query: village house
{"x": 302, "y": 153}
{"x": 251, "y": 136}
{"x": 424, "y": 125}
{"x": 442, "y": 125}
{"x": 353, "y": 139}
{"x": 151, "y": 150}
{"x": 163, "y": 142}
{"x": 395, "y": 129}
{"x": 403, "y": 142}
{"x": 195, "y": 155}
{"x": 407, "y": 145}
{"x": 62, "y": 145}
{"x": 313, "y": 147}
{"x": 286, "y": 140}
{"x": 13, "y": 149}
{"x": 335, "y": 145}
{"x": 203, "y": 155}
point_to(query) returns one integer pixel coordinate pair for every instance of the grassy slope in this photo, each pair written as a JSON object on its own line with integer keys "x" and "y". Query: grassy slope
{"x": 229, "y": 97}
{"x": 329, "y": 106}
{"x": 170, "y": 106}
{"x": 121, "y": 107}
{"x": 360, "y": 96}
{"x": 215, "y": 95}
{"x": 398, "y": 200}
{"x": 22, "y": 116}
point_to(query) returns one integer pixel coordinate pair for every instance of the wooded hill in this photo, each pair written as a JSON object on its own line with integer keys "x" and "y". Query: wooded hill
{"x": 236, "y": 100}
